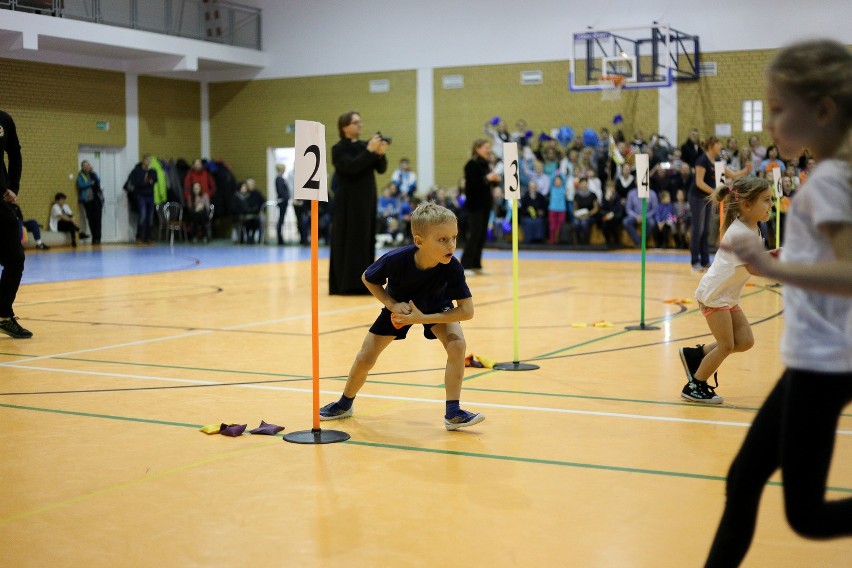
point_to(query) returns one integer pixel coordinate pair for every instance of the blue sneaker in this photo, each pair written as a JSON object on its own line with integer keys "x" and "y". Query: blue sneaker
{"x": 462, "y": 420}
{"x": 332, "y": 411}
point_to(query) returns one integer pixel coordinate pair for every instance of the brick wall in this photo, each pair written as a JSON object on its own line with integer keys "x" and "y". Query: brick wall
{"x": 56, "y": 109}
{"x": 170, "y": 118}
{"x": 246, "y": 118}
{"x": 718, "y": 100}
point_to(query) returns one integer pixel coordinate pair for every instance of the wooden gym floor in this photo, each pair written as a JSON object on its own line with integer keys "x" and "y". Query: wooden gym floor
{"x": 591, "y": 461}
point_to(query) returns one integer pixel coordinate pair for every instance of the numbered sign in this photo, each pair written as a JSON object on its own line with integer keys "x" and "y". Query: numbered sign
{"x": 643, "y": 181}
{"x": 310, "y": 170}
{"x": 720, "y": 173}
{"x": 776, "y": 182}
{"x": 511, "y": 176}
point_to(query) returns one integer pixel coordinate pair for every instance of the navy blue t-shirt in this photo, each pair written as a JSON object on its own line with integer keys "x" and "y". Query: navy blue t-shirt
{"x": 430, "y": 290}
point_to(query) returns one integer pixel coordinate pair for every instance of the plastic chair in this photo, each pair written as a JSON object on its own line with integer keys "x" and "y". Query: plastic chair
{"x": 173, "y": 220}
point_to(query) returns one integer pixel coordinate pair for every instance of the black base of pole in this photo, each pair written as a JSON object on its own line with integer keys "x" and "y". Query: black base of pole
{"x": 641, "y": 327}
{"x": 318, "y": 436}
{"x": 516, "y": 366}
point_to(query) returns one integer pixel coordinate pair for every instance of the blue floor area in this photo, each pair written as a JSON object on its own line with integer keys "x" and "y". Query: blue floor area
{"x": 123, "y": 260}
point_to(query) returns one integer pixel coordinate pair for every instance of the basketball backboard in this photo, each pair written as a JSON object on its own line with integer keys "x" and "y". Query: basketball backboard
{"x": 646, "y": 56}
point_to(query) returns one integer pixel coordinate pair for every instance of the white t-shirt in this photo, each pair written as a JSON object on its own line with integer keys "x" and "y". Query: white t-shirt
{"x": 817, "y": 327}
{"x": 723, "y": 283}
{"x": 55, "y": 212}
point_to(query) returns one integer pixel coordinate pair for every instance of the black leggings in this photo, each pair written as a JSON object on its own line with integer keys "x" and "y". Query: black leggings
{"x": 794, "y": 430}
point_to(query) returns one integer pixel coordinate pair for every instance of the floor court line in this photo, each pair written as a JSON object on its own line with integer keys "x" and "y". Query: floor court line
{"x": 377, "y": 445}
{"x": 411, "y": 399}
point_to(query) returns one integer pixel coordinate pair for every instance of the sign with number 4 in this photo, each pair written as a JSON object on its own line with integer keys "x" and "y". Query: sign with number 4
{"x": 310, "y": 175}
{"x": 643, "y": 183}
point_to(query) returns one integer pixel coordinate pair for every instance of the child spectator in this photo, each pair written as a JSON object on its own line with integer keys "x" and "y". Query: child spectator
{"x": 681, "y": 228}
{"x": 557, "y": 208}
{"x": 664, "y": 220}
{"x": 417, "y": 284}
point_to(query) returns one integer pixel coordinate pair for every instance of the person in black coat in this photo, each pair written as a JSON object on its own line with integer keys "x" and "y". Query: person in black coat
{"x": 282, "y": 190}
{"x": 11, "y": 249}
{"x": 478, "y": 181}
{"x": 353, "y": 218}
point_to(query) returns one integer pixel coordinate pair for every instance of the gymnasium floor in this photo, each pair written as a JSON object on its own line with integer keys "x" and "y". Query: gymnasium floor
{"x": 591, "y": 461}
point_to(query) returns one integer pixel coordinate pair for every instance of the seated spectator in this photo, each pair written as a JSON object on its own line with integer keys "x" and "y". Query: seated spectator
{"x": 406, "y": 206}
{"x": 664, "y": 220}
{"x": 595, "y": 184}
{"x": 404, "y": 179}
{"x": 500, "y": 218}
{"x": 30, "y": 225}
{"x": 198, "y": 214}
{"x": 625, "y": 181}
{"x": 683, "y": 219}
{"x": 612, "y": 212}
{"x": 62, "y": 219}
{"x": 772, "y": 161}
{"x": 633, "y": 214}
{"x": 246, "y": 205}
{"x": 586, "y": 209}
{"x": 387, "y": 207}
{"x": 532, "y": 211}
{"x": 199, "y": 174}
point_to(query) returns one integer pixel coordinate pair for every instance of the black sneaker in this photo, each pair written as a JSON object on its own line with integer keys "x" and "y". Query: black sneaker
{"x": 691, "y": 358}
{"x": 42, "y": 246}
{"x": 701, "y": 391}
{"x": 333, "y": 411}
{"x": 12, "y": 328}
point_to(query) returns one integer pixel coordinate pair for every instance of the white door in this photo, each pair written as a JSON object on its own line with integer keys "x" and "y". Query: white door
{"x": 106, "y": 162}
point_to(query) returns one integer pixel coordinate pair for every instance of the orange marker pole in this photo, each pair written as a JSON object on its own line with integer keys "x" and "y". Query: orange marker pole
{"x": 315, "y": 306}
{"x": 721, "y": 221}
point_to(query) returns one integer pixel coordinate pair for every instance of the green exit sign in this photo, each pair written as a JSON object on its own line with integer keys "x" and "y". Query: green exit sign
{"x": 102, "y": 125}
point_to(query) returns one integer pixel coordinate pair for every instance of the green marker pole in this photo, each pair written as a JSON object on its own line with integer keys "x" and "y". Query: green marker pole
{"x": 644, "y": 184}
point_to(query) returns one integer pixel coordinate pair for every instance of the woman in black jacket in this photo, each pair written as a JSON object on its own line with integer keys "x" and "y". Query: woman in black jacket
{"x": 479, "y": 179}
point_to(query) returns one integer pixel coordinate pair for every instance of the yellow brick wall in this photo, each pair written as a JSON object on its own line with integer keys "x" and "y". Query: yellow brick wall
{"x": 496, "y": 90}
{"x": 56, "y": 109}
{"x": 246, "y": 118}
{"x": 718, "y": 100}
{"x": 170, "y": 118}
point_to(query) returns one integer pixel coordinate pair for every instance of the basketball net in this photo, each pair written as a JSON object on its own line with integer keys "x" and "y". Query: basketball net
{"x": 611, "y": 86}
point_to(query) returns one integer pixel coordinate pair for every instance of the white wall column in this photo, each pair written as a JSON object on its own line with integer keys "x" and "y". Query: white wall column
{"x": 425, "y": 130}
{"x": 667, "y": 113}
{"x": 205, "y": 119}
{"x": 131, "y": 116}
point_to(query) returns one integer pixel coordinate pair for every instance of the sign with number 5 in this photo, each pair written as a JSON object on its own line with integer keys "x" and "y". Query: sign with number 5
{"x": 310, "y": 175}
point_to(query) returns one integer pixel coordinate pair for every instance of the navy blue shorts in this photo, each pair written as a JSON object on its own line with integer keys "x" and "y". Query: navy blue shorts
{"x": 384, "y": 326}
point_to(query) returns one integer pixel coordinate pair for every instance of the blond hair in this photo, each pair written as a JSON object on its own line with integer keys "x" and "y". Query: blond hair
{"x": 744, "y": 190}
{"x": 427, "y": 215}
{"x": 815, "y": 69}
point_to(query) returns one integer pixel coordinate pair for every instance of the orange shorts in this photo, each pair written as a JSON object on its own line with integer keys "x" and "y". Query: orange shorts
{"x": 705, "y": 311}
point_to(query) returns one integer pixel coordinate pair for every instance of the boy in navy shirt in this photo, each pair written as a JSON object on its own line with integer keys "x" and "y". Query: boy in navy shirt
{"x": 422, "y": 280}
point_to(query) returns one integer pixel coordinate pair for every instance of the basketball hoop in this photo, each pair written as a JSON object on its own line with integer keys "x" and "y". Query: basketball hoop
{"x": 611, "y": 86}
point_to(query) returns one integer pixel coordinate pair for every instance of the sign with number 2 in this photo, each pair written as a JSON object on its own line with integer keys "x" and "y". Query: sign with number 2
{"x": 310, "y": 174}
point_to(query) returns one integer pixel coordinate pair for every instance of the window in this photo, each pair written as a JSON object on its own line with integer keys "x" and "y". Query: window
{"x": 753, "y": 116}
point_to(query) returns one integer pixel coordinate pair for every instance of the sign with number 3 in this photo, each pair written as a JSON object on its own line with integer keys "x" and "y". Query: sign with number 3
{"x": 310, "y": 175}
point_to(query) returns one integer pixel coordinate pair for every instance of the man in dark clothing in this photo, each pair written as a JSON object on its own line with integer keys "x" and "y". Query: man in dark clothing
{"x": 143, "y": 178}
{"x": 283, "y": 192}
{"x": 11, "y": 249}
{"x": 353, "y": 218}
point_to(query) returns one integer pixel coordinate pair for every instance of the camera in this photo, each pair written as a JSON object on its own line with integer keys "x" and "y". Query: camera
{"x": 385, "y": 139}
